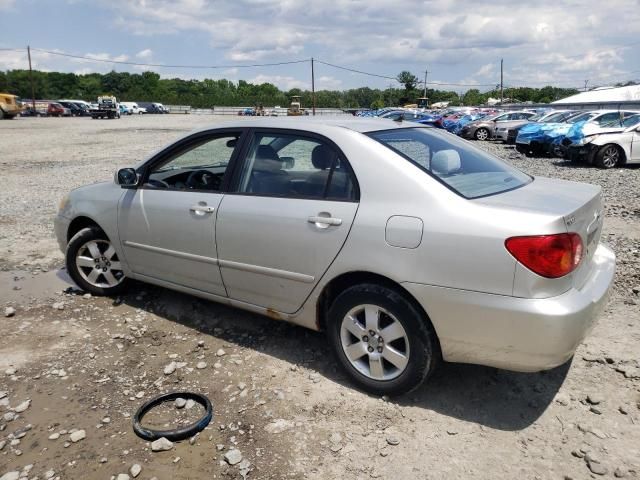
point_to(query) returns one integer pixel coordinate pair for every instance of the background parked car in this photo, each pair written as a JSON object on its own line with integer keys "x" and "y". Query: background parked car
{"x": 56, "y": 110}
{"x": 609, "y": 147}
{"x": 485, "y": 128}
{"x": 132, "y": 108}
{"x": 76, "y": 110}
{"x": 549, "y": 117}
{"x": 151, "y": 108}
{"x": 549, "y": 139}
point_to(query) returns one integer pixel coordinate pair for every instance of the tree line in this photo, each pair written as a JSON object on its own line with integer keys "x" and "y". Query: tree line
{"x": 207, "y": 93}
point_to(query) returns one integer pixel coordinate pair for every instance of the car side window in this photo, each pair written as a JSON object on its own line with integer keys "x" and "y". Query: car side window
{"x": 199, "y": 166}
{"x": 613, "y": 119}
{"x": 295, "y": 166}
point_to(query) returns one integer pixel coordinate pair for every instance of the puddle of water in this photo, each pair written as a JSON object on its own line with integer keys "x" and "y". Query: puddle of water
{"x": 42, "y": 285}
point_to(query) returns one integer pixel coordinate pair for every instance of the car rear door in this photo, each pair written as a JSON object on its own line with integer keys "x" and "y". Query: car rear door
{"x": 294, "y": 203}
{"x": 167, "y": 226}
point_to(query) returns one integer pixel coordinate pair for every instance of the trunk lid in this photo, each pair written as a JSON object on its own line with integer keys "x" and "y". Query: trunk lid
{"x": 578, "y": 204}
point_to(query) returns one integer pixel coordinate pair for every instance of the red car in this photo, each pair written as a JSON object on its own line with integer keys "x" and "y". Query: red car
{"x": 56, "y": 110}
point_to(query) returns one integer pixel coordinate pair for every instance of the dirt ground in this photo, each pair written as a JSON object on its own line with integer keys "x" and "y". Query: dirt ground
{"x": 71, "y": 362}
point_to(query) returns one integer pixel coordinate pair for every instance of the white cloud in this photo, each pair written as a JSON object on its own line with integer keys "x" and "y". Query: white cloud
{"x": 328, "y": 83}
{"x": 145, "y": 54}
{"x": 14, "y": 60}
{"x": 281, "y": 81}
{"x": 106, "y": 57}
{"x": 460, "y": 41}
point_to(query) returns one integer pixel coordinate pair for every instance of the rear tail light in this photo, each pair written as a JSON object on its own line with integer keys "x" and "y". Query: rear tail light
{"x": 550, "y": 256}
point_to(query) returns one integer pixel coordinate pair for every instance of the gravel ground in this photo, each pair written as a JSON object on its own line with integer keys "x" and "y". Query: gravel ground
{"x": 73, "y": 368}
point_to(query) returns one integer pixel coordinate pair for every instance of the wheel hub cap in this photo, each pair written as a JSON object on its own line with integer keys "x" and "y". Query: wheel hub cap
{"x": 374, "y": 342}
{"x": 98, "y": 264}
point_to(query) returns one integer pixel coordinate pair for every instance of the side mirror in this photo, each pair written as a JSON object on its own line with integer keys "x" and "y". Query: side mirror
{"x": 638, "y": 128}
{"x": 127, "y": 178}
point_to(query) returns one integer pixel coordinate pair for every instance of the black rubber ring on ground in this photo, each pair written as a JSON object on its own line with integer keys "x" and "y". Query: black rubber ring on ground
{"x": 178, "y": 433}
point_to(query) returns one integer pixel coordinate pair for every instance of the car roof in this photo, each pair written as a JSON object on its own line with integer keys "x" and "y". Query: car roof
{"x": 318, "y": 124}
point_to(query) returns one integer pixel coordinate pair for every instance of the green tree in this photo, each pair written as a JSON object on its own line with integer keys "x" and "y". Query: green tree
{"x": 408, "y": 79}
{"x": 377, "y": 104}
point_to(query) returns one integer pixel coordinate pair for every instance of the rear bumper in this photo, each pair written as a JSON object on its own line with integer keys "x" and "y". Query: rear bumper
{"x": 513, "y": 333}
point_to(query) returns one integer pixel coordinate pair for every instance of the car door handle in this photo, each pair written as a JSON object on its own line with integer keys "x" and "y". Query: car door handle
{"x": 325, "y": 221}
{"x": 202, "y": 209}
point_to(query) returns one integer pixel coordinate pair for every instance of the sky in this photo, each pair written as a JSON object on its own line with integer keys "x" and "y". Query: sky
{"x": 460, "y": 43}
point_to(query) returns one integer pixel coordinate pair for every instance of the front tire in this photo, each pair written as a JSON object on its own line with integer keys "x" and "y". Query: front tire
{"x": 482, "y": 134}
{"x": 608, "y": 156}
{"x": 93, "y": 263}
{"x": 381, "y": 340}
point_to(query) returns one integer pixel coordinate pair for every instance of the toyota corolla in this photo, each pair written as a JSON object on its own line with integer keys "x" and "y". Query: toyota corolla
{"x": 407, "y": 245}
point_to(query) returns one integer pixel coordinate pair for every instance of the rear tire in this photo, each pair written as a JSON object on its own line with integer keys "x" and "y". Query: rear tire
{"x": 93, "y": 264}
{"x": 609, "y": 156}
{"x": 383, "y": 342}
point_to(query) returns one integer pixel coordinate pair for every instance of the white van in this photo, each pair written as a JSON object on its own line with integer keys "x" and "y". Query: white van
{"x": 133, "y": 108}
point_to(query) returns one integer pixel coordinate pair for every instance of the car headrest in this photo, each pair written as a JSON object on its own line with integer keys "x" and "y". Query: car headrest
{"x": 266, "y": 152}
{"x": 445, "y": 162}
{"x": 267, "y": 160}
{"x": 322, "y": 157}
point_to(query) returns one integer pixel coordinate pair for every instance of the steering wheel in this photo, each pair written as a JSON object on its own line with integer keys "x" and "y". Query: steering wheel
{"x": 158, "y": 183}
{"x": 203, "y": 179}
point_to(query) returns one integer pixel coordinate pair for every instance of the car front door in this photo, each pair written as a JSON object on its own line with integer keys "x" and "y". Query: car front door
{"x": 635, "y": 145}
{"x": 294, "y": 202}
{"x": 167, "y": 225}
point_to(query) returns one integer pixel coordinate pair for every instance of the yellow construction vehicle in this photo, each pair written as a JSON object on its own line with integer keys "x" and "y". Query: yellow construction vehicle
{"x": 10, "y": 106}
{"x": 294, "y": 109}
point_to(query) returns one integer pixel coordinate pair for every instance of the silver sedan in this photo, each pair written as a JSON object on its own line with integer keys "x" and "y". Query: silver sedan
{"x": 407, "y": 245}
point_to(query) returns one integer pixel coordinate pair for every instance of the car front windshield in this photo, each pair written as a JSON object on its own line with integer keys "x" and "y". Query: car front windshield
{"x": 553, "y": 117}
{"x": 582, "y": 117}
{"x": 463, "y": 168}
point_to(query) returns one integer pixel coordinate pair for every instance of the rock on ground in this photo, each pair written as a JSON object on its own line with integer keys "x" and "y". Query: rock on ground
{"x": 135, "y": 470}
{"x": 77, "y": 436}
{"x": 233, "y": 456}
{"x": 161, "y": 445}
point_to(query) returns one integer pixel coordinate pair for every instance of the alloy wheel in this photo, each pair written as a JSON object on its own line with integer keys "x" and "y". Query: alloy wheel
{"x": 375, "y": 342}
{"x": 610, "y": 157}
{"x": 482, "y": 134}
{"x": 99, "y": 265}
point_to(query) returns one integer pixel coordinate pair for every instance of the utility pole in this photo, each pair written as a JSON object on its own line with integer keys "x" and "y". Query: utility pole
{"x": 501, "y": 81}
{"x": 313, "y": 88}
{"x": 33, "y": 91}
{"x": 426, "y": 72}
{"x": 585, "y": 85}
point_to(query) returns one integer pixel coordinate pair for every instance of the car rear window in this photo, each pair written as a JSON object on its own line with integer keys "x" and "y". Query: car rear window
{"x": 465, "y": 169}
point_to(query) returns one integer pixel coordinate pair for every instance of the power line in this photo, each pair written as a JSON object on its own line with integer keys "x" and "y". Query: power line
{"x": 162, "y": 65}
{"x": 292, "y": 62}
{"x": 396, "y": 79}
{"x": 356, "y": 71}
